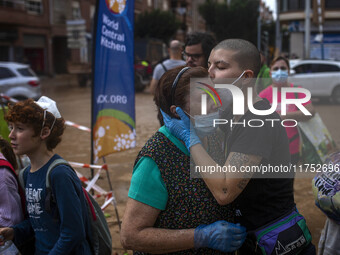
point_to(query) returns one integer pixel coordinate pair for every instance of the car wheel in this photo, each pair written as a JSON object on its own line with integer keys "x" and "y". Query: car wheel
{"x": 336, "y": 95}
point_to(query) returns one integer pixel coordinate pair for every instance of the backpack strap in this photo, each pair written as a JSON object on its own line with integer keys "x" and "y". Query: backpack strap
{"x": 21, "y": 177}
{"x": 53, "y": 165}
{"x": 162, "y": 64}
{"x": 6, "y": 164}
{"x": 49, "y": 194}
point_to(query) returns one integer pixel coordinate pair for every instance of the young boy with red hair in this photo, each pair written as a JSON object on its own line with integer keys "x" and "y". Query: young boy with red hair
{"x": 36, "y": 129}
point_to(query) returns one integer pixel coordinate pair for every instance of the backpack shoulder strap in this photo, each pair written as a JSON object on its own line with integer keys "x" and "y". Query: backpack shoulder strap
{"x": 21, "y": 177}
{"x": 49, "y": 193}
{"x": 6, "y": 164}
{"x": 53, "y": 165}
{"x": 162, "y": 64}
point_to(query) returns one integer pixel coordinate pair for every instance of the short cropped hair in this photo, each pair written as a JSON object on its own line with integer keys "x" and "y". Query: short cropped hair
{"x": 206, "y": 40}
{"x": 247, "y": 55}
{"x": 31, "y": 114}
{"x": 163, "y": 97}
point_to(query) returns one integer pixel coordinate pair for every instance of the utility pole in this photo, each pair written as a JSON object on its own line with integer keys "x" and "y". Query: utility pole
{"x": 259, "y": 28}
{"x": 277, "y": 30}
{"x": 307, "y": 28}
{"x": 318, "y": 19}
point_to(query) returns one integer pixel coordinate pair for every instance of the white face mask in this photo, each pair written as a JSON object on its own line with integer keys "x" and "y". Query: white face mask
{"x": 238, "y": 78}
{"x": 226, "y": 111}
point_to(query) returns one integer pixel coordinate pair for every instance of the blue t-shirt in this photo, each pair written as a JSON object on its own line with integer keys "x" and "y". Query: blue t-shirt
{"x": 68, "y": 233}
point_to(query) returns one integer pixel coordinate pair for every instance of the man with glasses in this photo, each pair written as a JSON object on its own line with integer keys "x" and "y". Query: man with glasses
{"x": 197, "y": 49}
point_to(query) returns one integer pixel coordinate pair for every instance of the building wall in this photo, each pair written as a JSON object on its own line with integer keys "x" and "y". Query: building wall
{"x": 296, "y": 43}
{"x": 32, "y": 35}
{"x": 40, "y": 39}
{"x": 292, "y": 17}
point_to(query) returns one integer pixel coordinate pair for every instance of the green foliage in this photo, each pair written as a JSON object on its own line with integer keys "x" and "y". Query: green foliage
{"x": 239, "y": 20}
{"x": 156, "y": 24}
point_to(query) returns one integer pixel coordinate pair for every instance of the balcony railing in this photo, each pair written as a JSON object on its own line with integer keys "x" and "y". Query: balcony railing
{"x": 31, "y": 6}
{"x": 15, "y": 4}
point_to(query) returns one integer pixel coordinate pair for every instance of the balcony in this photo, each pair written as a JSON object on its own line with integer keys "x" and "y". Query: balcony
{"x": 34, "y": 7}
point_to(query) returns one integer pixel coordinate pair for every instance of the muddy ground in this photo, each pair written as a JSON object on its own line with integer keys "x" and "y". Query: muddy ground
{"x": 75, "y": 105}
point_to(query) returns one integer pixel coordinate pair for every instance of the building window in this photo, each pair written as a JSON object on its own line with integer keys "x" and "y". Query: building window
{"x": 6, "y": 3}
{"x": 34, "y": 6}
{"x": 76, "y": 14}
{"x": 293, "y": 5}
{"x": 332, "y": 4}
{"x": 16, "y": 4}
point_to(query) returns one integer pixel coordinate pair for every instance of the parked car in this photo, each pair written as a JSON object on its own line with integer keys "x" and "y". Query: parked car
{"x": 320, "y": 77}
{"x": 19, "y": 81}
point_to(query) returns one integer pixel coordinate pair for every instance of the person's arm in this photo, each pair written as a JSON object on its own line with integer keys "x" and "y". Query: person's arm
{"x": 139, "y": 234}
{"x": 147, "y": 197}
{"x": 156, "y": 75}
{"x": 10, "y": 203}
{"x": 18, "y": 233}
{"x": 225, "y": 186}
{"x": 299, "y": 115}
{"x": 72, "y": 229}
{"x": 153, "y": 85}
{"x": 21, "y": 232}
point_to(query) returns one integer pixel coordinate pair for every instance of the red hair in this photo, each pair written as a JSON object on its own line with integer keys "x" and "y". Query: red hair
{"x": 29, "y": 113}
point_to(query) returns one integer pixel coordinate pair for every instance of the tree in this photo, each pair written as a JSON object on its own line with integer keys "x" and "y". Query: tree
{"x": 238, "y": 20}
{"x": 156, "y": 24}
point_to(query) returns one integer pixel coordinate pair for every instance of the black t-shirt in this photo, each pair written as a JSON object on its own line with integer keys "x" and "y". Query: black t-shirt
{"x": 263, "y": 199}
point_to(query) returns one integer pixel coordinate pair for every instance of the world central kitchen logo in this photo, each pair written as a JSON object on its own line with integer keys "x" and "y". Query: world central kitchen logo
{"x": 238, "y": 105}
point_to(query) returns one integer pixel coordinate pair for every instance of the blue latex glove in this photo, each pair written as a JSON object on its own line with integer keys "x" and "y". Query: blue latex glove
{"x": 220, "y": 235}
{"x": 181, "y": 128}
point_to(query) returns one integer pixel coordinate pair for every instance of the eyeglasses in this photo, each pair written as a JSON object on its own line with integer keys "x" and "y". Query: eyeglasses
{"x": 194, "y": 57}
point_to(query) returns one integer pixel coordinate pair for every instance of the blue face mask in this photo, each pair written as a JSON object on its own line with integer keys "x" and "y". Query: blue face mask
{"x": 280, "y": 76}
{"x": 204, "y": 124}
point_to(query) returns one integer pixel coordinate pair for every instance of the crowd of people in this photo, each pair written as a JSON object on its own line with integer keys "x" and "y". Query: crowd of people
{"x": 172, "y": 208}
{"x": 165, "y": 211}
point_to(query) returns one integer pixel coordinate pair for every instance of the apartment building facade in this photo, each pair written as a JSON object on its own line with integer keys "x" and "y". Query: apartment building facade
{"x": 292, "y": 19}
{"x": 51, "y": 34}
{"x": 35, "y": 32}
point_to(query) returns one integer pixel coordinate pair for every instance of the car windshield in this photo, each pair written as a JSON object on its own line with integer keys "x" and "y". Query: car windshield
{"x": 27, "y": 72}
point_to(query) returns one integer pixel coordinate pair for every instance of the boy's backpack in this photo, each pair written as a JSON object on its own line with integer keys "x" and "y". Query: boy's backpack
{"x": 6, "y": 164}
{"x": 100, "y": 238}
